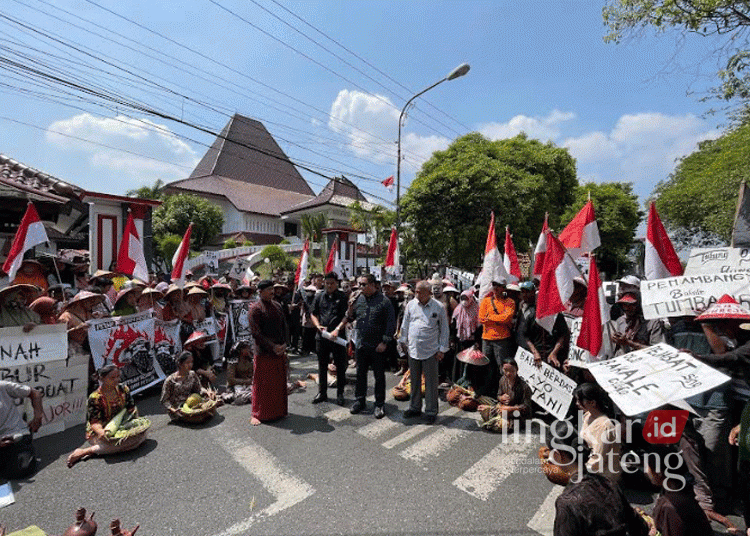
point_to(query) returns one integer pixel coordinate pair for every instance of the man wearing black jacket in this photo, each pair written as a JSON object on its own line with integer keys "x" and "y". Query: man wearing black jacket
{"x": 328, "y": 310}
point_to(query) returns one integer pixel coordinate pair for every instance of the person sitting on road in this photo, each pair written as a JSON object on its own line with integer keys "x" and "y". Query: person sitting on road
{"x": 17, "y": 459}
{"x": 602, "y": 434}
{"x": 514, "y": 401}
{"x": 103, "y": 404}
{"x": 239, "y": 374}
{"x": 180, "y": 385}
{"x": 202, "y": 358}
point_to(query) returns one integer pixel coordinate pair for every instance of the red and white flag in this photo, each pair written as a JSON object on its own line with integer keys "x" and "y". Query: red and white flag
{"x": 492, "y": 266}
{"x": 388, "y": 183}
{"x": 30, "y": 233}
{"x": 541, "y": 248}
{"x": 334, "y": 261}
{"x": 301, "y": 274}
{"x": 130, "y": 259}
{"x": 595, "y": 316}
{"x": 392, "y": 259}
{"x": 582, "y": 233}
{"x": 556, "y": 285}
{"x": 179, "y": 258}
{"x": 510, "y": 260}
{"x": 660, "y": 260}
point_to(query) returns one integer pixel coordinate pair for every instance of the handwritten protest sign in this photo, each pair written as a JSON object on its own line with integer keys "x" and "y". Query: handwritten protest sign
{"x": 685, "y": 294}
{"x": 127, "y": 342}
{"x": 239, "y": 268}
{"x": 44, "y": 365}
{"x": 718, "y": 261}
{"x": 646, "y": 379}
{"x": 580, "y": 357}
{"x": 551, "y": 389}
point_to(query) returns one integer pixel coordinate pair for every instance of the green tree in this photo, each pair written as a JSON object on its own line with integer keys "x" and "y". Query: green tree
{"x": 448, "y": 205}
{"x": 312, "y": 230}
{"x": 726, "y": 22}
{"x": 278, "y": 258}
{"x": 700, "y": 197}
{"x": 148, "y": 192}
{"x": 177, "y": 211}
{"x": 165, "y": 246}
{"x": 618, "y": 215}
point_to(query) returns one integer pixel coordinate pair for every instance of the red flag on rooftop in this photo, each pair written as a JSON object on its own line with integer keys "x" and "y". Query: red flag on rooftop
{"x": 660, "y": 259}
{"x": 30, "y": 233}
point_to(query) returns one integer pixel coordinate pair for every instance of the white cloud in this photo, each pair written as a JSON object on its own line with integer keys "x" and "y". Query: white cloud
{"x": 155, "y": 152}
{"x": 370, "y": 124}
{"x": 542, "y": 128}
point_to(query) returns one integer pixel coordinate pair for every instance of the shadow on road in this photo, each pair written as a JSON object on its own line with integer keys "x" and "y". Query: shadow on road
{"x": 301, "y": 424}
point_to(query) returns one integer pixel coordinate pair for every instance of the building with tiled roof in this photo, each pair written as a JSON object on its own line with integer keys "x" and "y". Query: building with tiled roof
{"x": 248, "y": 175}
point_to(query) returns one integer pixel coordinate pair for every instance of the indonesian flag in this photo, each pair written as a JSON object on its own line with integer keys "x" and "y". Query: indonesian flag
{"x": 556, "y": 285}
{"x": 30, "y": 233}
{"x": 510, "y": 260}
{"x": 582, "y": 233}
{"x": 541, "y": 248}
{"x": 492, "y": 266}
{"x": 595, "y": 315}
{"x": 301, "y": 274}
{"x": 392, "y": 258}
{"x": 334, "y": 262}
{"x": 388, "y": 183}
{"x": 660, "y": 260}
{"x": 179, "y": 258}
{"x": 130, "y": 259}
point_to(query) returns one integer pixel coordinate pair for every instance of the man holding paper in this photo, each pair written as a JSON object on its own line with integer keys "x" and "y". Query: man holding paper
{"x": 327, "y": 312}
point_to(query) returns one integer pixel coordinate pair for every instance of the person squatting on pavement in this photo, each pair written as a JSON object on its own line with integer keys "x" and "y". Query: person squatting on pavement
{"x": 425, "y": 332}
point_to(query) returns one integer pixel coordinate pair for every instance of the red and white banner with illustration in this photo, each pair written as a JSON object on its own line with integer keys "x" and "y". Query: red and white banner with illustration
{"x": 167, "y": 344}
{"x": 128, "y": 342}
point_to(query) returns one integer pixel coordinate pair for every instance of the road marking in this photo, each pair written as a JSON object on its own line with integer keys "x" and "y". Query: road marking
{"x": 543, "y": 521}
{"x": 438, "y": 441}
{"x": 285, "y": 487}
{"x": 415, "y": 430}
{"x": 341, "y": 414}
{"x": 485, "y": 476}
{"x": 378, "y": 428}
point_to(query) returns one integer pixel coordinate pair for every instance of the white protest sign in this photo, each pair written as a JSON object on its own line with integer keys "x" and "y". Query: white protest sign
{"x": 239, "y": 268}
{"x": 208, "y": 326}
{"x": 337, "y": 340}
{"x": 551, "y": 389}
{"x": 647, "y": 379}
{"x": 685, "y": 294}
{"x": 580, "y": 357}
{"x": 44, "y": 365}
{"x": 212, "y": 261}
{"x": 718, "y": 261}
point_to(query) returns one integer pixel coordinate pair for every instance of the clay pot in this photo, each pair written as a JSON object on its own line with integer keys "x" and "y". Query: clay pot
{"x": 117, "y": 531}
{"x": 468, "y": 403}
{"x": 82, "y": 526}
{"x": 453, "y": 396}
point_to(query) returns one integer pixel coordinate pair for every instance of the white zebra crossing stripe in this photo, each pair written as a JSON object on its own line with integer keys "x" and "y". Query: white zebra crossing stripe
{"x": 485, "y": 476}
{"x": 543, "y": 521}
{"x": 438, "y": 441}
{"x": 285, "y": 487}
{"x": 379, "y": 428}
{"x": 415, "y": 430}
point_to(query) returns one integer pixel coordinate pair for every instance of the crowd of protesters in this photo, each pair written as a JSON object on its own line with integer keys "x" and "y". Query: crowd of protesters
{"x": 440, "y": 340}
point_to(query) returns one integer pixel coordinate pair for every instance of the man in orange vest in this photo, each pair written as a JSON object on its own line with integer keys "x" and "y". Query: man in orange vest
{"x": 496, "y": 313}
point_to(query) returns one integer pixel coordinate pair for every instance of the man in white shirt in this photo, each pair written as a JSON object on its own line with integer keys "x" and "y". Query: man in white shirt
{"x": 425, "y": 333}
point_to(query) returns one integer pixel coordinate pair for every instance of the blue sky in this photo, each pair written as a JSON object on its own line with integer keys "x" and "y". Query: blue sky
{"x": 540, "y": 67}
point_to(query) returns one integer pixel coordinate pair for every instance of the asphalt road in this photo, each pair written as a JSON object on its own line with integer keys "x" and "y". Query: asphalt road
{"x": 320, "y": 471}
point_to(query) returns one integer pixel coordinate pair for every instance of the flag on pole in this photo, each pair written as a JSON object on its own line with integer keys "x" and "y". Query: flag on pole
{"x": 392, "y": 260}
{"x": 388, "y": 183}
{"x": 492, "y": 266}
{"x": 334, "y": 261}
{"x": 30, "y": 233}
{"x": 510, "y": 260}
{"x": 130, "y": 259}
{"x": 582, "y": 233}
{"x": 301, "y": 274}
{"x": 595, "y": 315}
{"x": 541, "y": 248}
{"x": 179, "y": 258}
{"x": 660, "y": 259}
{"x": 556, "y": 285}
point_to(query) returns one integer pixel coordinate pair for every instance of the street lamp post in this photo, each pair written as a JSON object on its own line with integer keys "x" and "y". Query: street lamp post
{"x": 455, "y": 73}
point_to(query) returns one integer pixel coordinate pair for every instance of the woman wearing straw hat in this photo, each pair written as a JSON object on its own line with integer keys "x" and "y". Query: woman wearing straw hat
{"x": 126, "y": 302}
{"x": 195, "y": 310}
{"x": 13, "y": 308}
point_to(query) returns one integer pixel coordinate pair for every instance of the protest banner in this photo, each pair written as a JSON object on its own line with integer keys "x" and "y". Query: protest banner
{"x": 647, "y": 379}
{"x": 212, "y": 261}
{"x": 718, "y": 261}
{"x": 239, "y": 322}
{"x": 687, "y": 294}
{"x": 167, "y": 344}
{"x": 551, "y": 389}
{"x": 40, "y": 360}
{"x": 222, "y": 328}
{"x": 580, "y": 357}
{"x": 126, "y": 341}
{"x": 239, "y": 268}
{"x": 208, "y": 326}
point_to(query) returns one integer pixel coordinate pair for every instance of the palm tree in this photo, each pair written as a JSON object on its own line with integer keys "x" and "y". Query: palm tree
{"x": 312, "y": 230}
{"x": 148, "y": 192}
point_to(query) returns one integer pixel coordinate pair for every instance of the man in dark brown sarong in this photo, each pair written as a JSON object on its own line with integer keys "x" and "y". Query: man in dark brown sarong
{"x": 269, "y": 329}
